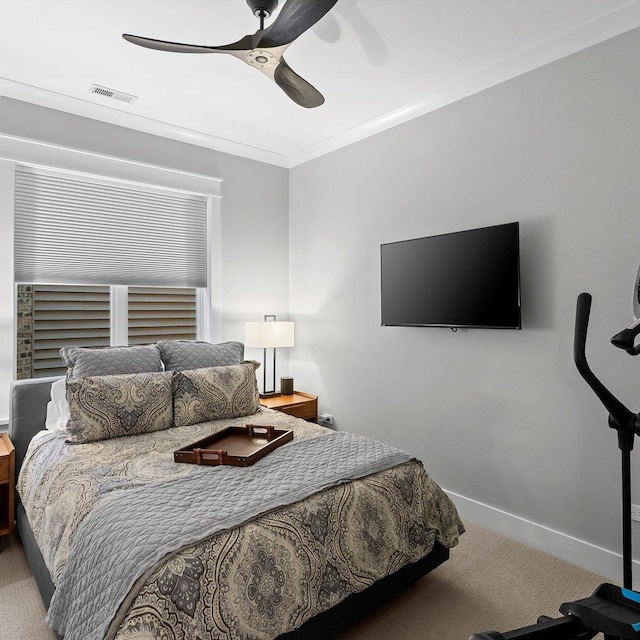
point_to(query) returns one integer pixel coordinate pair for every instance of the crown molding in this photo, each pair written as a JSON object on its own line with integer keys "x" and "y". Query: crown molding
{"x": 103, "y": 113}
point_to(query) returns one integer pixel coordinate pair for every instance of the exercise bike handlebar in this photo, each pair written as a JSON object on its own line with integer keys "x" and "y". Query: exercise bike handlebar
{"x": 626, "y": 339}
{"x": 618, "y": 413}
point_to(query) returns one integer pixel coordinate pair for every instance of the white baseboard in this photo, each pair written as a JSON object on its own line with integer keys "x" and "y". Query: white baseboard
{"x": 605, "y": 562}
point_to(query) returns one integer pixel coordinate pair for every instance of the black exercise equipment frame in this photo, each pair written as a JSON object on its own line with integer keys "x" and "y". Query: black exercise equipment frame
{"x": 610, "y": 610}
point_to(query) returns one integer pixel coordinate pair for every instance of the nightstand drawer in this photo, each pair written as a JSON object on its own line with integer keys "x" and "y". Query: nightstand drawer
{"x": 298, "y": 404}
{"x": 4, "y": 468}
{"x": 301, "y": 410}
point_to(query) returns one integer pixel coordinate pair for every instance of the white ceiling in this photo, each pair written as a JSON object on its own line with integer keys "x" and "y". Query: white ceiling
{"x": 377, "y": 62}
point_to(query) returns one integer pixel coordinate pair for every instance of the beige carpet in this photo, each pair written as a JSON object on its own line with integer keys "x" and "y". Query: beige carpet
{"x": 490, "y": 583}
{"x": 21, "y": 609}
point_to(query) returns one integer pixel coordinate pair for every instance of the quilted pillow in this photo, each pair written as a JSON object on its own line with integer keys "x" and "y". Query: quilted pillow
{"x": 200, "y": 395}
{"x": 104, "y": 407}
{"x": 108, "y": 361}
{"x": 179, "y": 355}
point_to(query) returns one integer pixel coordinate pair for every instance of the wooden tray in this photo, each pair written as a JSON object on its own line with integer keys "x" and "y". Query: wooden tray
{"x": 237, "y": 446}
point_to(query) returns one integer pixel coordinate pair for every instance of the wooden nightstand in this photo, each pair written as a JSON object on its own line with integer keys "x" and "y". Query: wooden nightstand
{"x": 7, "y": 484}
{"x": 301, "y": 405}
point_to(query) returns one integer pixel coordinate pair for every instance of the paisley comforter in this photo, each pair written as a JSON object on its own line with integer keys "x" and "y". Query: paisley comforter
{"x": 257, "y": 580}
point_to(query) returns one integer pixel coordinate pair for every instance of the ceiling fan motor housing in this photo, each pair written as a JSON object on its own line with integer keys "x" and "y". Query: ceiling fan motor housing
{"x": 262, "y": 8}
{"x": 262, "y": 59}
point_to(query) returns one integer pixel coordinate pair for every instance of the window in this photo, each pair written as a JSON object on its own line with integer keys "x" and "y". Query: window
{"x": 138, "y": 255}
{"x": 156, "y": 313}
{"x": 52, "y": 316}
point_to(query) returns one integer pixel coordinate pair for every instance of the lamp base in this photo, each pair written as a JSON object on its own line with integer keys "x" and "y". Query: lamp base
{"x": 271, "y": 394}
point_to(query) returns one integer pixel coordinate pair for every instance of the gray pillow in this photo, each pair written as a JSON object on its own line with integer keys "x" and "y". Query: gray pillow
{"x": 200, "y": 395}
{"x": 180, "y": 355}
{"x": 82, "y": 362}
{"x": 103, "y": 407}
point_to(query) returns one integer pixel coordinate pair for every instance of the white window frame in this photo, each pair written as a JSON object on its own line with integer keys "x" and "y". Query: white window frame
{"x": 14, "y": 150}
{"x": 119, "y": 316}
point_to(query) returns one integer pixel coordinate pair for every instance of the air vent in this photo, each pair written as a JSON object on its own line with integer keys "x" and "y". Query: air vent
{"x": 112, "y": 93}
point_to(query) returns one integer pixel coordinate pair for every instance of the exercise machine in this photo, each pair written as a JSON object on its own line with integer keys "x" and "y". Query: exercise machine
{"x": 611, "y": 610}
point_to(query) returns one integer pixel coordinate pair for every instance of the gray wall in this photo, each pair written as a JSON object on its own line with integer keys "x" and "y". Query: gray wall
{"x": 499, "y": 417}
{"x": 254, "y": 204}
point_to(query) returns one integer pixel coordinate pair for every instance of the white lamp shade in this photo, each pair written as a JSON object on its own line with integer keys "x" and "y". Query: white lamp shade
{"x": 268, "y": 335}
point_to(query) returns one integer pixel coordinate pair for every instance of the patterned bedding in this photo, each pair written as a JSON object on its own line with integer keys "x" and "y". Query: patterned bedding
{"x": 259, "y": 579}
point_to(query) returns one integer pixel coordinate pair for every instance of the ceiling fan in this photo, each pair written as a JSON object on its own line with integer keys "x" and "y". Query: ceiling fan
{"x": 263, "y": 50}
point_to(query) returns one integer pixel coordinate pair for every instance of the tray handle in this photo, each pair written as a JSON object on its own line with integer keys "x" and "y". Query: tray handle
{"x": 209, "y": 453}
{"x": 254, "y": 429}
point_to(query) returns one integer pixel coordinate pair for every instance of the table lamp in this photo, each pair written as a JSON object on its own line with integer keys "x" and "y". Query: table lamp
{"x": 269, "y": 334}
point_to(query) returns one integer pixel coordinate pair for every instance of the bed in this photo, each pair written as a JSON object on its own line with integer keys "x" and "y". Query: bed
{"x": 307, "y": 567}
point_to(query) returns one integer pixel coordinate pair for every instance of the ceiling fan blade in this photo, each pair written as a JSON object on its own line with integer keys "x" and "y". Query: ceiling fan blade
{"x": 177, "y": 47}
{"x": 297, "y": 88}
{"x": 294, "y": 19}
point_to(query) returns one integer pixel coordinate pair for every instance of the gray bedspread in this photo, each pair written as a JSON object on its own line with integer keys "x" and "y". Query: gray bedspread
{"x": 125, "y": 535}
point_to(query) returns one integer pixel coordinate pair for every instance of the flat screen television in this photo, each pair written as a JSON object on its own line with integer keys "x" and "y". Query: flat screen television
{"x": 468, "y": 279}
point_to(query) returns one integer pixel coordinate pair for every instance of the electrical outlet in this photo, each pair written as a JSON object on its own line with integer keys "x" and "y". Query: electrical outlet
{"x": 635, "y": 512}
{"x": 326, "y": 420}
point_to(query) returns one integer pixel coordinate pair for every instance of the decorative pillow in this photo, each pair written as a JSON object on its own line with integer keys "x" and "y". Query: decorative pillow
{"x": 109, "y": 361}
{"x": 179, "y": 355}
{"x": 104, "y": 407}
{"x": 200, "y": 395}
{"x": 58, "y": 407}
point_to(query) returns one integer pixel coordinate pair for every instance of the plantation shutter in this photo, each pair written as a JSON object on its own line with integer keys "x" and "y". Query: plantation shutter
{"x": 71, "y": 228}
{"x": 67, "y": 315}
{"x": 161, "y": 314}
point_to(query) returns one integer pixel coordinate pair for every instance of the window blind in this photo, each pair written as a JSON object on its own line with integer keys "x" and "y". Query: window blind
{"x": 72, "y": 228}
{"x": 161, "y": 314}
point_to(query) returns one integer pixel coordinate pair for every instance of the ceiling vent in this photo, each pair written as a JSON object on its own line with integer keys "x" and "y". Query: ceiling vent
{"x": 113, "y": 94}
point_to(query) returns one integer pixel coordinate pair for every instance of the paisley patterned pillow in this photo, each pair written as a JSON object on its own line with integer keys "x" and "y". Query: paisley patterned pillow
{"x": 200, "y": 395}
{"x": 104, "y": 407}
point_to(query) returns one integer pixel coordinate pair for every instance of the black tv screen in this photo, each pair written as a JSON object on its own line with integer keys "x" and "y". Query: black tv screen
{"x": 464, "y": 279}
